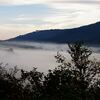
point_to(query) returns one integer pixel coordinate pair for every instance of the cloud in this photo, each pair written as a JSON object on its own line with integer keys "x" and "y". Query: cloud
{"x": 58, "y": 14}
{"x": 23, "y": 2}
{"x": 24, "y": 18}
{"x": 27, "y": 2}
{"x": 78, "y": 1}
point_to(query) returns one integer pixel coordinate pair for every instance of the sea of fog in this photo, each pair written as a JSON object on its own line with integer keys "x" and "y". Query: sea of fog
{"x": 27, "y": 55}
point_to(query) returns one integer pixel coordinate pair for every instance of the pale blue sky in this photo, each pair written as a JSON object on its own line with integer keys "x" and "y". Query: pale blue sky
{"x": 23, "y": 16}
{"x": 11, "y": 14}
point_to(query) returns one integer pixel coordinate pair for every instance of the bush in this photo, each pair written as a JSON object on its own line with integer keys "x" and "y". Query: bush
{"x": 75, "y": 80}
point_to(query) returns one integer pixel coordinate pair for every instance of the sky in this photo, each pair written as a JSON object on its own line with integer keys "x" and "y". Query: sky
{"x": 18, "y": 17}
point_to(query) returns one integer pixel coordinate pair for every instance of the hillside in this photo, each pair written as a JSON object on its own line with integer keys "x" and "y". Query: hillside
{"x": 89, "y": 33}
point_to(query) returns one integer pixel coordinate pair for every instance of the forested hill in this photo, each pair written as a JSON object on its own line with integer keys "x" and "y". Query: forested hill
{"x": 88, "y": 33}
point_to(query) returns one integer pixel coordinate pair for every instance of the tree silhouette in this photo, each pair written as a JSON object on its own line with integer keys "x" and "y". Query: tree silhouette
{"x": 74, "y": 80}
{"x": 83, "y": 70}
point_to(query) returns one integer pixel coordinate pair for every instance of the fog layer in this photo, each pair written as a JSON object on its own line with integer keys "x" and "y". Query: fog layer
{"x": 28, "y": 55}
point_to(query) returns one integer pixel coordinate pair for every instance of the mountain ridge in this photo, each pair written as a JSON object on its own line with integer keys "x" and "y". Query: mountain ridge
{"x": 89, "y": 33}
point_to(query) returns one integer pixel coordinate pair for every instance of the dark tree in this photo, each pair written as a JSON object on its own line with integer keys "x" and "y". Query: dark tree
{"x": 83, "y": 70}
{"x": 74, "y": 80}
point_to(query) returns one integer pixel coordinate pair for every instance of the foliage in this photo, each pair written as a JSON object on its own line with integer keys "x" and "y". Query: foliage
{"x": 75, "y": 80}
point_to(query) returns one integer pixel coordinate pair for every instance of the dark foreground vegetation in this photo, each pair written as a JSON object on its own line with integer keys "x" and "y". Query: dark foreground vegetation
{"x": 75, "y": 80}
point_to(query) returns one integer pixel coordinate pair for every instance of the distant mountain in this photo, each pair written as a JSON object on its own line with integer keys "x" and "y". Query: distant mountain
{"x": 89, "y": 33}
